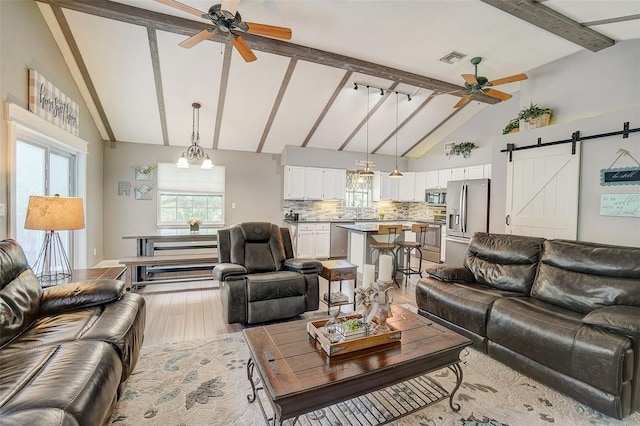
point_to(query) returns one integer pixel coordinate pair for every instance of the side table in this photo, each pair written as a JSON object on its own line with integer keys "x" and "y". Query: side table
{"x": 338, "y": 270}
{"x": 108, "y": 273}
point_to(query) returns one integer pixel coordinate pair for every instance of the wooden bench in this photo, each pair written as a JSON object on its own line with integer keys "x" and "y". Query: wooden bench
{"x": 137, "y": 265}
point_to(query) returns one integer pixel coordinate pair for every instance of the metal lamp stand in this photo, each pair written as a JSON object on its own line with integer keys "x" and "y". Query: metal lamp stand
{"x": 52, "y": 264}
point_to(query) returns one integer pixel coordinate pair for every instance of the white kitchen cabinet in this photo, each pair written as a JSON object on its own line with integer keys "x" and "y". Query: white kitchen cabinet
{"x": 474, "y": 172}
{"x": 313, "y": 183}
{"x": 406, "y": 185}
{"x": 385, "y": 188}
{"x": 322, "y": 241}
{"x": 444, "y": 176}
{"x": 487, "y": 171}
{"x": 420, "y": 185}
{"x": 313, "y": 240}
{"x": 458, "y": 174}
{"x": 294, "y": 182}
{"x": 334, "y": 184}
{"x": 432, "y": 179}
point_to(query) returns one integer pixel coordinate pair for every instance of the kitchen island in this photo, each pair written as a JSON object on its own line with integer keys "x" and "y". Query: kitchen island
{"x": 361, "y": 235}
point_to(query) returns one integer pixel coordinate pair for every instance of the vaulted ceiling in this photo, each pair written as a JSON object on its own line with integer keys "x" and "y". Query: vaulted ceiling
{"x": 140, "y": 85}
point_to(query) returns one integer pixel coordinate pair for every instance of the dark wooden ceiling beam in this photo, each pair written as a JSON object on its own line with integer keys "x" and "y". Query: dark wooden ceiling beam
{"x": 222, "y": 93}
{"x": 133, "y": 15}
{"x": 556, "y": 23}
{"x": 157, "y": 78}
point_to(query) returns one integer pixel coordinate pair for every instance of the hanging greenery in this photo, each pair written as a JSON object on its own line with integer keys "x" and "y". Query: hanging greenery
{"x": 462, "y": 148}
{"x": 511, "y": 127}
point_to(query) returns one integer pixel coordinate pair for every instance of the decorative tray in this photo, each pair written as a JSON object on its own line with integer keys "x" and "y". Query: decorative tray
{"x": 351, "y": 343}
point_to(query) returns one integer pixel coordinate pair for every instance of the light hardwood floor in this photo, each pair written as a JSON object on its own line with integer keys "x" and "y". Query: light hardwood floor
{"x": 191, "y": 310}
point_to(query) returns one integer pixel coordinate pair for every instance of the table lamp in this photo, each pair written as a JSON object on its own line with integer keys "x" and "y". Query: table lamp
{"x": 53, "y": 214}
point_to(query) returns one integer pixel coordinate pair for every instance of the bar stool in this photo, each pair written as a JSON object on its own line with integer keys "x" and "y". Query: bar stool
{"x": 391, "y": 231}
{"x": 404, "y": 248}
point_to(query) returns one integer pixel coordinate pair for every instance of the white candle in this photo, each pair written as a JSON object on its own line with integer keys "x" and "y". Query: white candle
{"x": 385, "y": 268}
{"x": 368, "y": 275}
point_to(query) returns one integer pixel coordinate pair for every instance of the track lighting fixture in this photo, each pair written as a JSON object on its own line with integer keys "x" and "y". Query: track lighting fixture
{"x": 367, "y": 164}
{"x": 381, "y": 89}
{"x": 355, "y": 86}
{"x": 381, "y": 92}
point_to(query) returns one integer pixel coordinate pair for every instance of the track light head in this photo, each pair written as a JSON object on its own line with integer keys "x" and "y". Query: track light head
{"x": 355, "y": 86}
{"x": 381, "y": 92}
{"x": 408, "y": 97}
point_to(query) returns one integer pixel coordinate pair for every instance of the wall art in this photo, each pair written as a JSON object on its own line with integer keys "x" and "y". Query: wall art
{"x": 144, "y": 192}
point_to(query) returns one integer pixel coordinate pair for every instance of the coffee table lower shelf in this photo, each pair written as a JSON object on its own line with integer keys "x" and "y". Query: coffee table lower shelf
{"x": 376, "y": 408}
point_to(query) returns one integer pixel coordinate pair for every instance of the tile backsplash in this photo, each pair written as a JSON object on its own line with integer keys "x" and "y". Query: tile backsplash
{"x": 333, "y": 210}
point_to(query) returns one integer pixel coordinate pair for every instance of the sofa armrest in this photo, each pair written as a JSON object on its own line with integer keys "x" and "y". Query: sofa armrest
{"x": 621, "y": 319}
{"x": 303, "y": 265}
{"x": 446, "y": 272}
{"x": 81, "y": 294}
{"x": 224, "y": 270}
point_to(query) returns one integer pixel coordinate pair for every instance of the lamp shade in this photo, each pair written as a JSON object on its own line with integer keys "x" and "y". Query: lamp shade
{"x": 54, "y": 213}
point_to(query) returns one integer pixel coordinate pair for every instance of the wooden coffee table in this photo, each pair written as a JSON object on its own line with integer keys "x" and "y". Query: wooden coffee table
{"x": 301, "y": 382}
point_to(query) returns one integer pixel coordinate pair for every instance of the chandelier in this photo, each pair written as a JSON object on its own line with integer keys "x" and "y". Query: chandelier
{"x": 195, "y": 152}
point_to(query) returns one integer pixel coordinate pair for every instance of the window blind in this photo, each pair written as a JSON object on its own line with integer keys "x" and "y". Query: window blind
{"x": 171, "y": 178}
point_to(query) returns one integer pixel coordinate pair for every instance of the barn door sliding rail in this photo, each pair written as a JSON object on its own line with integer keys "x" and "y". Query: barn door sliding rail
{"x": 575, "y": 137}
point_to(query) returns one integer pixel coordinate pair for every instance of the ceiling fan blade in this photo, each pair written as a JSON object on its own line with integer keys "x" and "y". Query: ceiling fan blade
{"x": 510, "y": 79}
{"x": 470, "y": 78}
{"x": 497, "y": 94}
{"x": 243, "y": 48}
{"x": 269, "y": 30}
{"x": 182, "y": 7}
{"x": 230, "y": 6}
{"x": 195, "y": 39}
{"x": 463, "y": 100}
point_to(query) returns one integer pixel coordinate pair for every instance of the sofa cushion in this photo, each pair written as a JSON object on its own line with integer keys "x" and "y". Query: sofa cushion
{"x": 20, "y": 292}
{"x": 275, "y": 285}
{"x": 79, "y": 378}
{"x": 584, "y": 276}
{"x": 464, "y": 304}
{"x": 258, "y": 246}
{"x": 557, "y": 338}
{"x": 505, "y": 262}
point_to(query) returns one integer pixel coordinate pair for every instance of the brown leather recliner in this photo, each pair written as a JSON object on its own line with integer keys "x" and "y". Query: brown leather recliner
{"x": 260, "y": 280}
{"x": 65, "y": 351}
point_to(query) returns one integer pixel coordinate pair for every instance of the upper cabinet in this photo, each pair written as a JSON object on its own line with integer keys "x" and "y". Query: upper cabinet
{"x": 438, "y": 179}
{"x": 420, "y": 186}
{"x": 314, "y": 183}
{"x": 334, "y": 184}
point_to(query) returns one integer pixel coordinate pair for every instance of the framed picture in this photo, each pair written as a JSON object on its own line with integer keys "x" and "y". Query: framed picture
{"x": 144, "y": 192}
{"x": 145, "y": 172}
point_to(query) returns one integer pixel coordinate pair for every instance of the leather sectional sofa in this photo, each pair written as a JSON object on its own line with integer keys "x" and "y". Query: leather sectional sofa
{"x": 260, "y": 280}
{"x": 66, "y": 350}
{"x": 566, "y": 313}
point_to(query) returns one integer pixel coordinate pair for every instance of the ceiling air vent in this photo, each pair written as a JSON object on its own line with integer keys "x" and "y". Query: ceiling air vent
{"x": 449, "y": 146}
{"x": 453, "y": 57}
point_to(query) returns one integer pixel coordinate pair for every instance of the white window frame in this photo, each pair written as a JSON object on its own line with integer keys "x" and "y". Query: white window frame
{"x": 26, "y": 126}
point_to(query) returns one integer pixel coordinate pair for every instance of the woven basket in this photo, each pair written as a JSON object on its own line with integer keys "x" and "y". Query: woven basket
{"x": 540, "y": 121}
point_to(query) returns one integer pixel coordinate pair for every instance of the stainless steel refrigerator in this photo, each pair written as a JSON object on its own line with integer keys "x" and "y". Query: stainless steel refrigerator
{"x": 467, "y": 213}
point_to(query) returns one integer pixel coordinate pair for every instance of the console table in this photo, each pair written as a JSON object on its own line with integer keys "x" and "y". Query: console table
{"x": 108, "y": 273}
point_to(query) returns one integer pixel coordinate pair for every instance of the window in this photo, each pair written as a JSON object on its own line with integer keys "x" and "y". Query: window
{"x": 193, "y": 192}
{"x": 359, "y": 190}
{"x": 47, "y": 160}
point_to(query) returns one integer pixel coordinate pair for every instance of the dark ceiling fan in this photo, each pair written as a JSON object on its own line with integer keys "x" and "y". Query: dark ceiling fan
{"x": 226, "y": 19}
{"x": 478, "y": 84}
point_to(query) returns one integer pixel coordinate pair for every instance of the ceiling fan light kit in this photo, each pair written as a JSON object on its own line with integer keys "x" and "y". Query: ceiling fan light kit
{"x": 195, "y": 152}
{"x": 227, "y": 20}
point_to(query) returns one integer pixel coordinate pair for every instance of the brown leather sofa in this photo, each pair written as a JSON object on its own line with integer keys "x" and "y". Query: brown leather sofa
{"x": 65, "y": 351}
{"x": 566, "y": 313}
{"x": 260, "y": 280}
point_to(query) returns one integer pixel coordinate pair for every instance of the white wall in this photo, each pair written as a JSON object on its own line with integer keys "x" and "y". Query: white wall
{"x": 25, "y": 42}
{"x": 253, "y": 182}
{"x": 590, "y": 92}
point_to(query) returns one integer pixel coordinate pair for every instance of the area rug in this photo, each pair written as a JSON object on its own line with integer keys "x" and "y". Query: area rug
{"x": 205, "y": 383}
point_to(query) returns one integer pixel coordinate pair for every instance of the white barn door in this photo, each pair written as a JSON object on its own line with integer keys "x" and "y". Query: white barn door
{"x": 542, "y": 192}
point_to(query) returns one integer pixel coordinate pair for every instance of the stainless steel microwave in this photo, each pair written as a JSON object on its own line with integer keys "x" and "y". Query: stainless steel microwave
{"x": 436, "y": 196}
